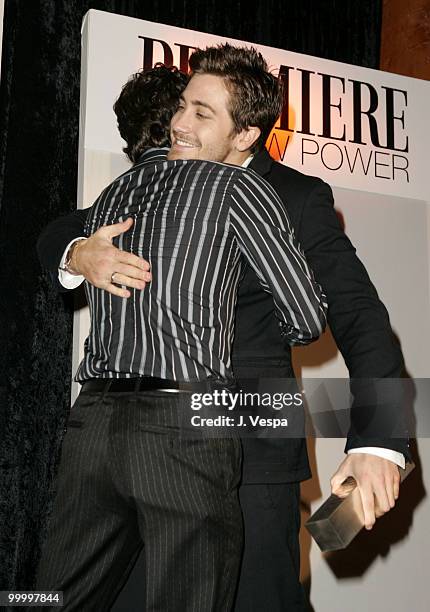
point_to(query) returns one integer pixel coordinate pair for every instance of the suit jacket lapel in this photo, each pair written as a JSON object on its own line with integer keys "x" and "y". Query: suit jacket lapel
{"x": 262, "y": 162}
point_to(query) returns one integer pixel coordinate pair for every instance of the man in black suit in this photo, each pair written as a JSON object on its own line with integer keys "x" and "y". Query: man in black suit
{"x": 359, "y": 322}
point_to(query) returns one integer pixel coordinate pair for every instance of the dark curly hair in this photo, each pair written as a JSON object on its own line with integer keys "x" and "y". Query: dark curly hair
{"x": 255, "y": 94}
{"x": 145, "y": 107}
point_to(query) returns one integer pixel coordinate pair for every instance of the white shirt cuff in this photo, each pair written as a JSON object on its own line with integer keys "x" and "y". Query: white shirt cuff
{"x": 69, "y": 281}
{"x": 385, "y": 453}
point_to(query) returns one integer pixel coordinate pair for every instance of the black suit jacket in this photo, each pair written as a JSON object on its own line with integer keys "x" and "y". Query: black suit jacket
{"x": 357, "y": 318}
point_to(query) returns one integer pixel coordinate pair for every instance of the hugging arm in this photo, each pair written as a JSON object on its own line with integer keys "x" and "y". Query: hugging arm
{"x": 94, "y": 259}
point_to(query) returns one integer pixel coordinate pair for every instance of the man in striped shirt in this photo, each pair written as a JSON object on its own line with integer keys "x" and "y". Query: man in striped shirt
{"x": 195, "y": 222}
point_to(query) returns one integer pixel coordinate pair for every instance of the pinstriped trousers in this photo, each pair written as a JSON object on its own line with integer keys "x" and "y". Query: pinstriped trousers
{"x": 126, "y": 479}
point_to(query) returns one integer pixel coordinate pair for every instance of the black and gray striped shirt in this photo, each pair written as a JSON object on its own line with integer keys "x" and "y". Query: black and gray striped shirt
{"x": 197, "y": 223}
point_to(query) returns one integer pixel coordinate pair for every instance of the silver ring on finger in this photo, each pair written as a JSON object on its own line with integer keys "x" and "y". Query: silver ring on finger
{"x": 112, "y": 277}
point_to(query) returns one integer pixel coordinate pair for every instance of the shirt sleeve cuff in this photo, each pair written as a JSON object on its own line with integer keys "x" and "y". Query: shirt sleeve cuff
{"x": 385, "y": 453}
{"x": 69, "y": 281}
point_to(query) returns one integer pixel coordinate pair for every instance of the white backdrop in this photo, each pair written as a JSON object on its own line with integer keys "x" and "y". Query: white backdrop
{"x": 383, "y": 194}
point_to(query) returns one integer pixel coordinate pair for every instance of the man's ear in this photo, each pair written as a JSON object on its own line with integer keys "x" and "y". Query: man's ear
{"x": 247, "y": 137}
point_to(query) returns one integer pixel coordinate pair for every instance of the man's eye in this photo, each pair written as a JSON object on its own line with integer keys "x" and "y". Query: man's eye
{"x": 201, "y": 116}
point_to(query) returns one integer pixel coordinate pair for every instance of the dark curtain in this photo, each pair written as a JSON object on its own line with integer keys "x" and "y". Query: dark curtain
{"x": 38, "y": 175}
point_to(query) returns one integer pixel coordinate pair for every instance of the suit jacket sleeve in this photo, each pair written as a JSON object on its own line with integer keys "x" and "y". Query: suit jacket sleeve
{"x": 359, "y": 323}
{"x": 54, "y": 239}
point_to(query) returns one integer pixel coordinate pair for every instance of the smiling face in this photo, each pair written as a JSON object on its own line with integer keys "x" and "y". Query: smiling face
{"x": 202, "y": 127}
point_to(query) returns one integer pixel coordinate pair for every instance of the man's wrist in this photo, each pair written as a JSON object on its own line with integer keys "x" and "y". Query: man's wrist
{"x": 384, "y": 453}
{"x": 70, "y": 263}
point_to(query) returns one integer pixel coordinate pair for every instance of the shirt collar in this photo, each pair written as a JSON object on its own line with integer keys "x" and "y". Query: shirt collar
{"x": 156, "y": 154}
{"x": 247, "y": 161}
{"x": 153, "y": 154}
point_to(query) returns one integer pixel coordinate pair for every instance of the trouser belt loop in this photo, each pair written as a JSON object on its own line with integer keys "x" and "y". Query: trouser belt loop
{"x": 106, "y": 388}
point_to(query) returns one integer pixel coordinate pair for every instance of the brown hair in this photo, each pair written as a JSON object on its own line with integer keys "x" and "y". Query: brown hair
{"x": 255, "y": 94}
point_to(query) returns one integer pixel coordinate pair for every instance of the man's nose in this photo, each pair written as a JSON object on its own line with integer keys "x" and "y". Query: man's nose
{"x": 182, "y": 123}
